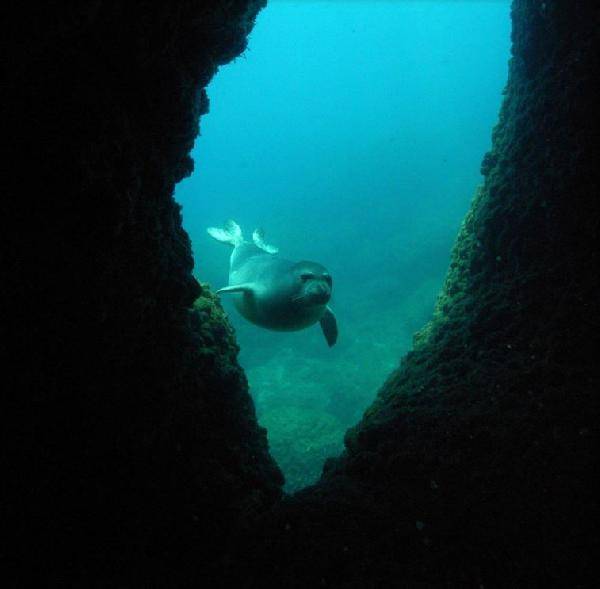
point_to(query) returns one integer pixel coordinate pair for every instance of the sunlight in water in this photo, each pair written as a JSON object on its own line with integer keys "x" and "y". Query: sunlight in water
{"x": 353, "y": 134}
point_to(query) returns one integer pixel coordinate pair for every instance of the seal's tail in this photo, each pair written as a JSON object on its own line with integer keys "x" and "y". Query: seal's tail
{"x": 258, "y": 237}
{"x": 231, "y": 233}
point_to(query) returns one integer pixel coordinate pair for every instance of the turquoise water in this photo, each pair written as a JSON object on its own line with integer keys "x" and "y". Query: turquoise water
{"x": 352, "y": 132}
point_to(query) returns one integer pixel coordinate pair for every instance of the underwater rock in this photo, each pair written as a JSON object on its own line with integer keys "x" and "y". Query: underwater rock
{"x": 132, "y": 447}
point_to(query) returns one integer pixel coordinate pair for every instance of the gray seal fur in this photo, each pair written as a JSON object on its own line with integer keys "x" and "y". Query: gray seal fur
{"x": 273, "y": 292}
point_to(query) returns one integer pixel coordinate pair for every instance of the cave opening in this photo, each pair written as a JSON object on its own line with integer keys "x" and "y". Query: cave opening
{"x": 353, "y": 133}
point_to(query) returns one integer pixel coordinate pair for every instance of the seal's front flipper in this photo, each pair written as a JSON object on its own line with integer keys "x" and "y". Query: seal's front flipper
{"x": 245, "y": 287}
{"x": 329, "y": 327}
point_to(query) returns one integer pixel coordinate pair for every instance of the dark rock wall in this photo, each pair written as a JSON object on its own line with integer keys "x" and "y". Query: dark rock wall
{"x": 475, "y": 465}
{"x": 129, "y": 435}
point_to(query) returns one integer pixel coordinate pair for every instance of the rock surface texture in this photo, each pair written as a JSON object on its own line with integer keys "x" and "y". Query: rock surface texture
{"x": 132, "y": 455}
{"x": 132, "y": 444}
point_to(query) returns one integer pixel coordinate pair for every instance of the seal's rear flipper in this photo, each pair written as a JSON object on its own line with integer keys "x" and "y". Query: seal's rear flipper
{"x": 329, "y": 327}
{"x": 231, "y": 233}
{"x": 246, "y": 287}
{"x": 258, "y": 237}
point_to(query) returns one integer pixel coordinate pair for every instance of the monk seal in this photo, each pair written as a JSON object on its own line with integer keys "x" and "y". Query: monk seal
{"x": 272, "y": 292}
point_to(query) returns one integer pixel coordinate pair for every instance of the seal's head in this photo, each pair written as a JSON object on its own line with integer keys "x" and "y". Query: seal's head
{"x": 313, "y": 283}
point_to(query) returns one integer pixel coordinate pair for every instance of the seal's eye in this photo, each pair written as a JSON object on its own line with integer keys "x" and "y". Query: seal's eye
{"x": 306, "y": 276}
{"x": 327, "y": 278}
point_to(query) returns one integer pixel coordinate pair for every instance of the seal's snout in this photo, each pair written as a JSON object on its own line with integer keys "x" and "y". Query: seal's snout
{"x": 319, "y": 293}
{"x": 316, "y": 283}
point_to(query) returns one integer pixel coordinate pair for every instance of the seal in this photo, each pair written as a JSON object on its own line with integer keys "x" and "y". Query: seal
{"x": 272, "y": 292}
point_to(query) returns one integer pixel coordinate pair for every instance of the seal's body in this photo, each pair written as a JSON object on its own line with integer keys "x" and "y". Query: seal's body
{"x": 272, "y": 292}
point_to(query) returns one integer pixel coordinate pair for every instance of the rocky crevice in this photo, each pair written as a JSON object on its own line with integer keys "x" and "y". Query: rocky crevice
{"x": 474, "y": 464}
